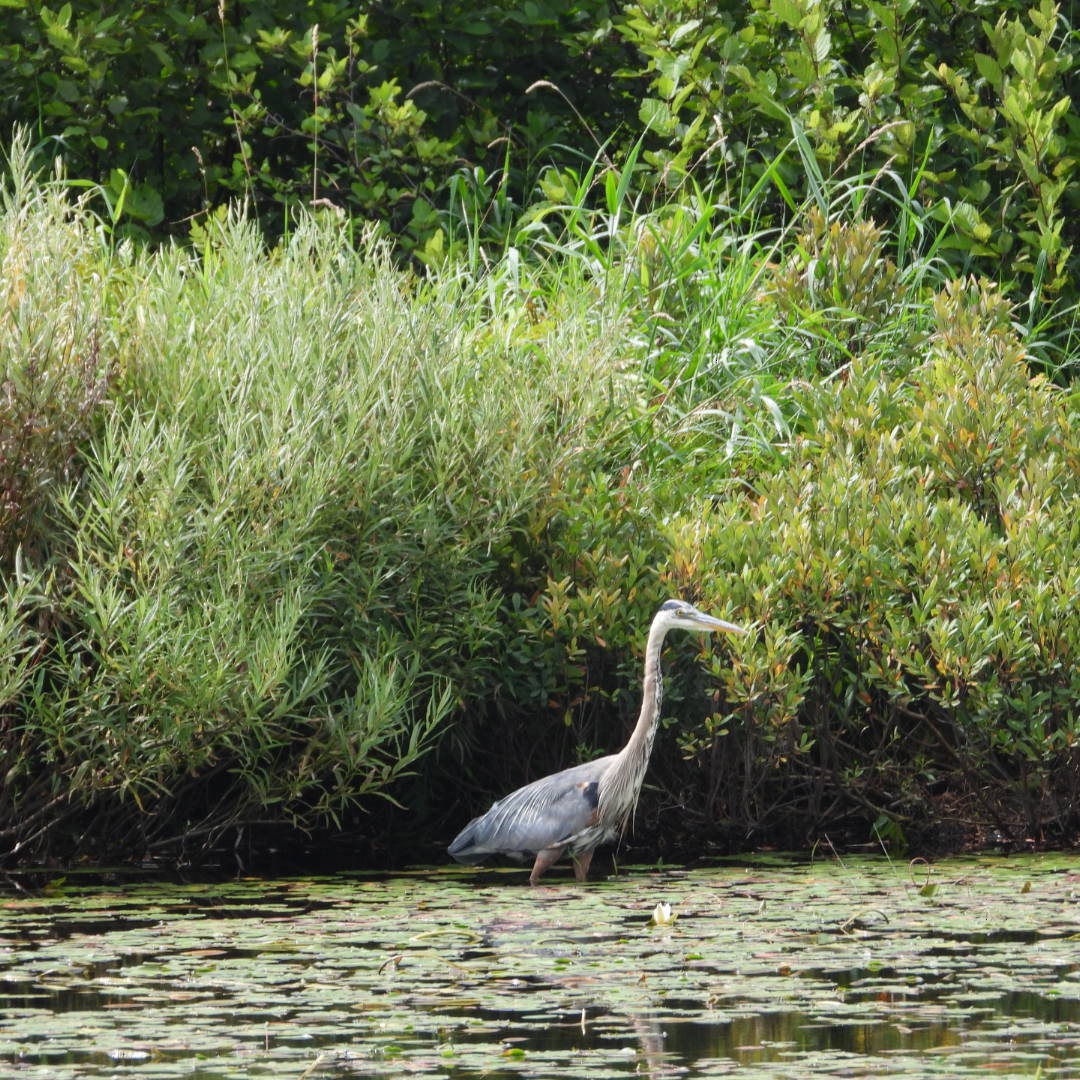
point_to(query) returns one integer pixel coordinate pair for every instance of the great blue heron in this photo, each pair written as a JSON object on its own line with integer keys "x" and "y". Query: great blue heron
{"x": 582, "y": 807}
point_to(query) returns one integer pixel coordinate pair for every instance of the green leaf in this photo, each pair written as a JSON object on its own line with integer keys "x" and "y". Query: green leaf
{"x": 787, "y": 11}
{"x": 656, "y": 115}
{"x": 801, "y": 66}
{"x": 684, "y": 30}
{"x": 821, "y": 45}
{"x": 989, "y": 69}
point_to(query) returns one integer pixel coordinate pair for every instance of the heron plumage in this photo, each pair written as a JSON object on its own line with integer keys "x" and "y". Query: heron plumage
{"x": 550, "y": 811}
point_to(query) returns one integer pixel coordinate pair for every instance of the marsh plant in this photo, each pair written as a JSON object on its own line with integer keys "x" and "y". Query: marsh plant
{"x": 269, "y": 573}
{"x": 54, "y": 353}
{"x": 290, "y": 528}
{"x": 912, "y": 567}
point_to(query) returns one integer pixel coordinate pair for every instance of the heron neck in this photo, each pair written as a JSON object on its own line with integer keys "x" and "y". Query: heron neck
{"x": 639, "y": 745}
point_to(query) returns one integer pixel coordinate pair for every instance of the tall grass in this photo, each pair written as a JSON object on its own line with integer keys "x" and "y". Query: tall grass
{"x": 732, "y": 311}
{"x": 55, "y": 344}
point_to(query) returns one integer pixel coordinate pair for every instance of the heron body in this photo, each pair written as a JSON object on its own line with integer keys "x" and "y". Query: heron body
{"x": 576, "y": 810}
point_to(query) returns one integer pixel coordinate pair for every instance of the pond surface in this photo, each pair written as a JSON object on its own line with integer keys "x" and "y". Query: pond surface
{"x": 844, "y": 968}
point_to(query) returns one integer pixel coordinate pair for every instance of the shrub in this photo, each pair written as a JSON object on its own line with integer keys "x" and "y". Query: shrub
{"x": 841, "y": 289}
{"x": 422, "y": 116}
{"x": 911, "y": 569}
{"x": 318, "y": 507}
{"x": 175, "y": 112}
{"x": 274, "y": 573}
{"x": 54, "y": 371}
{"x": 797, "y": 96}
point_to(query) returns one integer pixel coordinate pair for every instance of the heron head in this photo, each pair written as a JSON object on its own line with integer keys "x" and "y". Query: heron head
{"x": 679, "y": 615}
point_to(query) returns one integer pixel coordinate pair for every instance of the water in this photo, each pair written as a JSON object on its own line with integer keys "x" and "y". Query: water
{"x": 778, "y": 969}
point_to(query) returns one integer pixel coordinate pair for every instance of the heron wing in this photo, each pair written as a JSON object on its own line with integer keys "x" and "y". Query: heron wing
{"x": 546, "y": 813}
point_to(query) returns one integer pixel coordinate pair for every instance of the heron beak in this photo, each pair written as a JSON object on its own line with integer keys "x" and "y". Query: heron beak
{"x": 707, "y": 622}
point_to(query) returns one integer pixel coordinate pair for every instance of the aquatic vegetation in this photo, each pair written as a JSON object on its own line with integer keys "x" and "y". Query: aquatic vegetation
{"x": 811, "y": 969}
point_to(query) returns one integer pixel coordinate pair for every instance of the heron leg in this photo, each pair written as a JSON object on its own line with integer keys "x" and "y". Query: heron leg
{"x": 581, "y": 864}
{"x": 544, "y": 859}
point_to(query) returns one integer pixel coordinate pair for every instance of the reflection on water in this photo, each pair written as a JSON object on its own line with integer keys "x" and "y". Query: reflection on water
{"x": 747, "y": 1040}
{"x": 435, "y": 974}
{"x": 783, "y": 1035}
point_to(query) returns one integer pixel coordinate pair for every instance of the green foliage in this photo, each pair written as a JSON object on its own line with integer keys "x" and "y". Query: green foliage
{"x": 787, "y": 93}
{"x": 912, "y": 568}
{"x": 687, "y": 285}
{"x": 173, "y": 112}
{"x": 843, "y": 529}
{"x": 273, "y": 570}
{"x": 840, "y": 286}
{"x": 119, "y": 96}
{"x": 309, "y": 516}
{"x": 17, "y": 636}
{"x": 434, "y": 119}
{"x": 54, "y": 371}
{"x": 1021, "y": 160}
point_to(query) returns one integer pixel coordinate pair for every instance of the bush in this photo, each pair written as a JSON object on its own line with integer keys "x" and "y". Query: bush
{"x": 427, "y": 117}
{"x": 901, "y": 423}
{"x": 175, "y": 113}
{"x": 54, "y": 348}
{"x": 911, "y": 568}
{"x": 967, "y": 117}
{"x": 319, "y": 515}
{"x": 272, "y": 575}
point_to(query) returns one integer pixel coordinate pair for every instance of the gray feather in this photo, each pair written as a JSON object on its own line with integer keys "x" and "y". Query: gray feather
{"x": 546, "y": 813}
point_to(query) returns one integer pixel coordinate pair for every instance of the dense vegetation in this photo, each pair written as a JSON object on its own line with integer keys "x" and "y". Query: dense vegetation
{"x": 425, "y": 115}
{"x": 302, "y": 514}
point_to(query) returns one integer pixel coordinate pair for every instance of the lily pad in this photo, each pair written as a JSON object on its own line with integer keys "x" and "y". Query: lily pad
{"x": 790, "y": 967}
